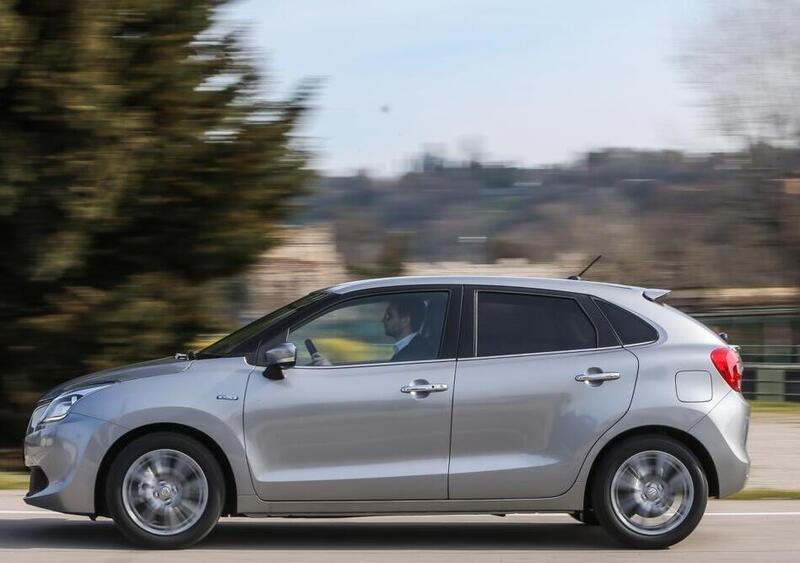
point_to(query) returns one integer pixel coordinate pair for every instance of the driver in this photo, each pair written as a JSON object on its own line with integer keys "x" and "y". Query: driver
{"x": 402, "y": 322}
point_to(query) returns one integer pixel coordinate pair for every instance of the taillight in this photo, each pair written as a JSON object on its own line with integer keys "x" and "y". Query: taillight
{"x": 729, "y": 366}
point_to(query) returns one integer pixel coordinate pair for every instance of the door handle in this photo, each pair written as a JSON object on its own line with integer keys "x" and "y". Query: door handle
{"x": 597, "y": 377}
{"x": 424, "y": 388}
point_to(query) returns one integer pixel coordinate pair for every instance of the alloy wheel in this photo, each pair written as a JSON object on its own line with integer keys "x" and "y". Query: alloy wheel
{"x": 165, "y": 492}
{"x": 652, "y": 492}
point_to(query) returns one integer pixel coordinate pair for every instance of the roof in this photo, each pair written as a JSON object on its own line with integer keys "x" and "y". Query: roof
{"x": 580, "y": 286}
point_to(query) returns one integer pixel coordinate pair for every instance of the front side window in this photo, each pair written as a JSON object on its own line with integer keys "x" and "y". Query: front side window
{"x": 513, "y": 323}
{"x": 399, "y": 327}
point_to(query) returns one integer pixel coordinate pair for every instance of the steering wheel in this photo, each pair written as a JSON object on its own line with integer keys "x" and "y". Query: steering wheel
{"x": 310, "y": 347}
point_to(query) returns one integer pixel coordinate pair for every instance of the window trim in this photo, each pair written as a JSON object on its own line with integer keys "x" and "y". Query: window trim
{"x": 551, "y": 353}
{"x": 533, "y": 292}
{"x": 450, "y": 328}
{"x": 377, "y": 364}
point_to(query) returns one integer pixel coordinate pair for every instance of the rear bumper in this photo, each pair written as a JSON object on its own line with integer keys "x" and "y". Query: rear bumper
{"x": 65, "y": 457}
{"x": 724, "y": 434}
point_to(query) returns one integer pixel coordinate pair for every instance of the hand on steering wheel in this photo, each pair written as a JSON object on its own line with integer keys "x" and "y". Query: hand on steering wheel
{"x": 317, "y": 359}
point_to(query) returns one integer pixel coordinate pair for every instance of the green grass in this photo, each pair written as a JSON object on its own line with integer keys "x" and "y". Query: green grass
{"x": 12, "y": 480}
{"x": 9, "y": 480}
{"x": 776, "y": 407}
{"x": 765, "y": 494}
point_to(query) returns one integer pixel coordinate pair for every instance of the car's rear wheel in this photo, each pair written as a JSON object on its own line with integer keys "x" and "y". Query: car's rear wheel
{"x": 650, "y": 492}
{"x": 165, "y": 491}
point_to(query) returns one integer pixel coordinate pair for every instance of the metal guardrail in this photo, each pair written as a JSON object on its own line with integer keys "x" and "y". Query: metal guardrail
{"x": 771, "y": 381}
{"x": 771, "y": 372}
{"x": 770, "y": 353}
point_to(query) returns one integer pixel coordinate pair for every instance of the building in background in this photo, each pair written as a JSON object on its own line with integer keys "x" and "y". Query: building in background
{"x": 306, "y": 260}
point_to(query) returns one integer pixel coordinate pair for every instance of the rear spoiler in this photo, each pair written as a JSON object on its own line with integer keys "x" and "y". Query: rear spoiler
{"x": 656, "y": 295}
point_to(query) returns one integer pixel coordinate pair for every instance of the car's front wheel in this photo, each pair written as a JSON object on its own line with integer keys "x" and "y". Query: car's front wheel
{"x": 165, "y": 491}
{"x": 650, "y": 492}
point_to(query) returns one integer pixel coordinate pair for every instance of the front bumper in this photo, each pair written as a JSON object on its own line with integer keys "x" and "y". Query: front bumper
{"x": 724, "y": 434}
{"x": 69, "y": 454}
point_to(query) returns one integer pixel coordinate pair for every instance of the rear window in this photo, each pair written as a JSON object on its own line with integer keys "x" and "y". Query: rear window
{"x": 630, "y": 328}
{"x": 513, "y": 323}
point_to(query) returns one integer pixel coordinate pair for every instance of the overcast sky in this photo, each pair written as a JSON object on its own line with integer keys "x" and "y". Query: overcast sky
{"x": 527, "y": 81}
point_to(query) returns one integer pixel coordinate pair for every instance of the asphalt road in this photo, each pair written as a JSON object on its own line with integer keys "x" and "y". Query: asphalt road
{"x": 730, "y": 531}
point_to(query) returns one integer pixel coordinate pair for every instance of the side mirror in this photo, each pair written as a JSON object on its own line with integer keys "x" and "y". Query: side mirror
{"x": 279, "y": 358}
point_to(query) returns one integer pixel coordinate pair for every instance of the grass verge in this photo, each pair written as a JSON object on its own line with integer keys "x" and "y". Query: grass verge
{"x": 776, "y": 406}
{"x": 765, "y": 494}
{"x": 13, "y": 480}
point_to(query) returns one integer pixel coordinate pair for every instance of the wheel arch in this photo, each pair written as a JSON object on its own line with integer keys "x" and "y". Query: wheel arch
{"x": 229, "y": 507}
{"x": 694, "y": 445}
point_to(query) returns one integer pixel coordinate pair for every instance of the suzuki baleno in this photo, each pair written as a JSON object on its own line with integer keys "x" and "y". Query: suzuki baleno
{"x": 425, "y": 395}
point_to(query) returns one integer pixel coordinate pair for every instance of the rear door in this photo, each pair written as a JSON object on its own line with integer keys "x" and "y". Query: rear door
{"x": 539, "y": 378}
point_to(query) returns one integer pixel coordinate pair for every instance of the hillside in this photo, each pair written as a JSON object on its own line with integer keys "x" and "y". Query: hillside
{"x": 658, "y": 218}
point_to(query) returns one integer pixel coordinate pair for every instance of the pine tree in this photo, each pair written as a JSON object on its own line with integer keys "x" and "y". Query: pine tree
{"x": 139, "y": 165}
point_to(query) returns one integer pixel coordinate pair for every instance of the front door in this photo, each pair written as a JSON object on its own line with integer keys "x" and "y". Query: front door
{"x": 365, "y": 413}
{"x": 522, "y": 423}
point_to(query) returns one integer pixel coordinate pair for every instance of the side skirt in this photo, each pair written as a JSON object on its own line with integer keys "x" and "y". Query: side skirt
{"x": 251, "y": 505}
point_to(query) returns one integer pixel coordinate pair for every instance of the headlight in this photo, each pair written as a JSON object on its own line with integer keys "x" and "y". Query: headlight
{"x": 60, "y": 406}
{"x": 36, "y": 417}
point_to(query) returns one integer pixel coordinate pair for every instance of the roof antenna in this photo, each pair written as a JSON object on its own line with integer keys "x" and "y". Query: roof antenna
{"x": 586, "y": 269}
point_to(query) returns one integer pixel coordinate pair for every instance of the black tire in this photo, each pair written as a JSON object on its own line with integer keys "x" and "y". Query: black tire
{"x": 132, "y": 452}
{"x": 585, "y": 517}
{"x": 614, "y": 523}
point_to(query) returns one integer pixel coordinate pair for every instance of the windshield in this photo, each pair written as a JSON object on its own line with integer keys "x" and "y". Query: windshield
{"x": 228, "y": 344}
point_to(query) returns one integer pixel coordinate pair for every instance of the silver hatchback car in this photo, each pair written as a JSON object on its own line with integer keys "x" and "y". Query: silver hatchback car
{"x": 414, "y": 395}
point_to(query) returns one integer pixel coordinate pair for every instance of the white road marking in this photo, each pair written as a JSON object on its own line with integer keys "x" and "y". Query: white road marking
{"x": 752, "y": 514}
{"x": 540, "y": 514}
{"x": 39, "y": 512}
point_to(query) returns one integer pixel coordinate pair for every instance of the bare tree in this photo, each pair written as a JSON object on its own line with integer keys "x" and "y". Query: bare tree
{"x": 745, "y": 58}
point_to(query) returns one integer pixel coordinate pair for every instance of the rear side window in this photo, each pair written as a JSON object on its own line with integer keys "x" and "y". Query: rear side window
{"x": 512, "y": 323}
{"x": 630, "y": 328}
